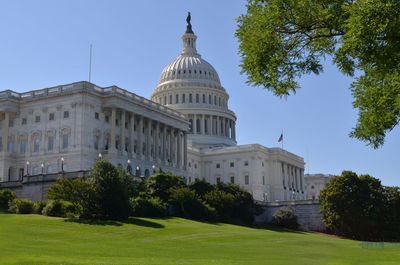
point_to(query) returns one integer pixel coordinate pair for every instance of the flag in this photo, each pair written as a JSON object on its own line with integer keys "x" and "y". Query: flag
{"x": 280, "y": 138}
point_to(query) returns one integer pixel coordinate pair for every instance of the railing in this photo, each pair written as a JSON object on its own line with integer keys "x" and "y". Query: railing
{"x": 86, "y": 86}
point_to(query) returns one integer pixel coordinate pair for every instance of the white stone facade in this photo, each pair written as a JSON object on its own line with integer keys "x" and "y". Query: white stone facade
{"x": 315, "y": 183}
{"x": 186, "y": 128}
{"x": 72, "y": 124}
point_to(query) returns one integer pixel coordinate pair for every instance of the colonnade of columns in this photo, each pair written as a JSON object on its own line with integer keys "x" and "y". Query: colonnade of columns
{"x": 212, "y": 125}
{"x": 153, "y": 140}
{"x": 293, "y": 177}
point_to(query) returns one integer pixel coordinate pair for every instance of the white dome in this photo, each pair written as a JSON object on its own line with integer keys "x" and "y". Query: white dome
{"x": 191, "y": 85}
{"x": 189, "y": 67}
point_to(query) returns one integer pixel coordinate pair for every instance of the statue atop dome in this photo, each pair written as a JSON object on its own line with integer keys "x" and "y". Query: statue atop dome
{"x": 189, "y": 26}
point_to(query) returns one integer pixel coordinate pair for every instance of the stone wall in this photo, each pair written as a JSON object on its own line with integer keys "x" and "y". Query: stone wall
{"x": 307, "y": 213}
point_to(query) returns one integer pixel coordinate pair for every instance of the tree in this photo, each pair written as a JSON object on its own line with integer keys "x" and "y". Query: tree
{"x": 112, "y": 189}
{"x": 6, "y": 196}
{"x": 80, "y": 192}
{"x": 356, "y": 206}
{"x": 281, "y": 40}
{"x": 201, "y": 187}
{"x": 160, "y": 183}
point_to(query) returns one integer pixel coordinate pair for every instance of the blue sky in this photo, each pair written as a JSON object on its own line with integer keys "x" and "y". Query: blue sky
{"x": 46, "y": 43}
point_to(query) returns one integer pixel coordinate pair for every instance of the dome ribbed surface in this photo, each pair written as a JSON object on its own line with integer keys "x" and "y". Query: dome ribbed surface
{"x": 189, "y": 67}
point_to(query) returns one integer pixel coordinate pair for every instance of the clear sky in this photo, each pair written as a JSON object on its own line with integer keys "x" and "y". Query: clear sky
{"x": 46, "y": 43}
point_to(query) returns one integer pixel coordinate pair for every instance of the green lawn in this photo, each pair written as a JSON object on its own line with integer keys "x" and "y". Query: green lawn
{"x": 31, "y": 239}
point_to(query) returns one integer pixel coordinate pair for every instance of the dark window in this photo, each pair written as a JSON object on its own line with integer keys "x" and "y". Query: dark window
{"x": 183, "y": 98}
{"x": 51, "y": 117}
{"x": 170, "y": 99}
{"x": 204, "y": 98}
{"x": 37, "y": 119}
{"x": 246, "y": 180}
{"x": 107, "y": 119}
{"x": 66, "y": 114}
{"x": 217, "y": 165}
{"x": 96, "y": 115}
{"x": 197, "y": 98}
{"x": 177, "y": 98}
{"x": 232, "y": 164}
{"x": 246, "y": 163}
{"x": 24, "y": 121}
{"x": 232, "y": 180}
{"x": 190, "y": 98}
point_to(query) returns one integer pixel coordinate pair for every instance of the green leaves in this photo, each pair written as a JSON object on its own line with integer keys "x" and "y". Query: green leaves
{"x": 281, "y": 40}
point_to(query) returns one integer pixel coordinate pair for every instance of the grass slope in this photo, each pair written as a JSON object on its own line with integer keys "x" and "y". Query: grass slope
{"x": 31, "y": 239}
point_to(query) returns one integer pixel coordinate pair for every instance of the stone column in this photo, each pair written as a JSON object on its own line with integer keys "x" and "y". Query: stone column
{"x": 148, "y": 139}
{"x": 218, "y": 126}
{"x": 139, "y": 148}
{"x": 184, "y": 150}
{"x": 132, "y": 132}
{"x": 223, "y": 126}
{"x": 234, "y": 130}
{"x": 179, "y": 149}
{"x": 209, "y": 125}
{"x": 122, "y": 131}
{"x": 164, "y": 145}
{"x": 194, "y": 124}
{"x": 202, "y": 125}
{"x": 171, "y": 145}
{"x": 5, "y": 132}
{"x": 112, "y": 138}
{"x": 156, "y": 142}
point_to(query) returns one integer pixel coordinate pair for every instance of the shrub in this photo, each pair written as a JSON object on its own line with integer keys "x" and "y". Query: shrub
{"x": 285, "y": 217}
{"x": 6, "y": 196}
{"x": 201, "y": 187}
{"x": 61, "y": 209}
{"x": 21, "y": 206}
{"x": 39, "y": 205}
{"x": 160, "y": 183}
{"x": 224, "y": 203}
{"x": 79, "y": 192}
{"x": 148, "y": 207}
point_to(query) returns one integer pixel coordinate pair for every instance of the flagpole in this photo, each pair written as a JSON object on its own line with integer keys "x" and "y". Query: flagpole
{"x": 282, "y": 139}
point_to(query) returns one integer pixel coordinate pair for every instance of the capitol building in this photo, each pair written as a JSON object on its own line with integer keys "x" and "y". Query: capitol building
{"x": 186, "y": 127}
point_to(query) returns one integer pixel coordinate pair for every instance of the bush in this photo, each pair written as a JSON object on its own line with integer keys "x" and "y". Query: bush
{"x": 189, "y": 205}
{"x": 160, "y": 183}
{"x": 21, "y": 206}
{"x": 201, "y": 187}
{"x": 6, "y": 196}
{"x": 224, "y": 203}
{"x": 148, "y": 207}
{"x": 38, "y": 208}
{"x": 61, "y": 209}
{"x": 78, "y": 191}
{"x": 285, "y": 217}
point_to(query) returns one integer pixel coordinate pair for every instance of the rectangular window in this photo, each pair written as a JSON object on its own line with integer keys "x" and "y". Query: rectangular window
{"x": 218, "y": 180}
{"x": 209, "y": 99}
{"x": 10, "y": 147}
{"x": 126, "y": 125}
{"x": 246, "y": 180}
{"x": 197, "y": 98}
{"x": 35, "y": 171}
{"x": 96, "y": 143}
{"x": 107, "y": 119}
{"x": 232, "y": 164}
{"x": 66, "y": 114}
{"x": 51, "y": 143}
{"x": 204, "y": 98}
{"x": 177, "y": 98}
{"x": 218, "y": 165}
{"x": 49, "y": 170}
{"x": 215, "y": 100}
{"x": 96, "y": 115}
{"x": 263, "y": 180}
{"x": 165, "y": 100}
{"x": 233, "y": 180}
{"x": 37, "y": 118}
{"x": 170, "y": 99}
{"x": 11, "y": 123}
{"x": 190, "y": 98}
{"x": 24, "y": 121}
{"x": 23, "y": 147}
{"x": 36, "y": 145}
{"x": 246, "y": 163}
{"x": 51, "y": 117}
{"x": 183, "y": 98}
{"x": 219, "y": 101}
{"x": 116, "y": 122}
{"x": 65, "y": 141}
